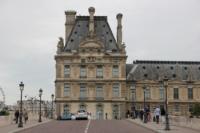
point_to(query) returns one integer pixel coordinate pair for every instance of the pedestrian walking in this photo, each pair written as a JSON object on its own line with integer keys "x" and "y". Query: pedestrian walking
{"x": 106, "y": 116}
{"x": 141, "y": 114}
{"x": 162, "y": 114}
{"x": 157, "y": 114}
{"x": 16, "y": 116}
{"x": 148, "y": 114}
{"x": 25, "y": 114}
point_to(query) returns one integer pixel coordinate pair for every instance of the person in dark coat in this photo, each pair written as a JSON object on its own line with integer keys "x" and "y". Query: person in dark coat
{"x": 16, "y": 116}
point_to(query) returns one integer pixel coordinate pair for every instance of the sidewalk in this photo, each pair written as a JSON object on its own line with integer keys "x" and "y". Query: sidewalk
{"x": 159, "y": 128}
{"x": 192, "y": 123}
{"x": 12, "y": 127}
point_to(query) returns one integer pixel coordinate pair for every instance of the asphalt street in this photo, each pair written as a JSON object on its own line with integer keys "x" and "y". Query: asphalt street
{"x": 88, "y": 126}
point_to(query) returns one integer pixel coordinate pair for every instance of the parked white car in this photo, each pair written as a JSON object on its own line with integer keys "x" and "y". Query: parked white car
{"x": 73, "y": 117}
{"x": 82, "y": 115}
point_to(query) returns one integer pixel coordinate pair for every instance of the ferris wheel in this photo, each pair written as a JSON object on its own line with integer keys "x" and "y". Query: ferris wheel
{"x": 2, "y": 98}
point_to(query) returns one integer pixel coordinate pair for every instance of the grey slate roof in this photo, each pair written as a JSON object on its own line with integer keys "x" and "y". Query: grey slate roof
{"x": 80, "y": 32}
{"x": 156, "y": 70}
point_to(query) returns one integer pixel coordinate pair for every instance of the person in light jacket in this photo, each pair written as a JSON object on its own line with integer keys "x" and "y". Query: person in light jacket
{"x": 157, "y": 114}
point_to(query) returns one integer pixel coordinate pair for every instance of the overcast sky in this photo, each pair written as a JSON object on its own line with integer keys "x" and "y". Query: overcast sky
{"x": 29, "y": 31}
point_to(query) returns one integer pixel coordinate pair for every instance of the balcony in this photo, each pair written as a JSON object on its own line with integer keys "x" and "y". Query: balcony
{"x": 99, "y": 77}
{"x": 83, "y": 77}
{"x": 99, "y": 98}
{"x": 83, "y": 98}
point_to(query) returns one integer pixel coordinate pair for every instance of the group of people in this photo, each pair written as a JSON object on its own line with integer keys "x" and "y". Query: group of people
{"x": 145, "y": 114}
{"x": 24, "y": 116}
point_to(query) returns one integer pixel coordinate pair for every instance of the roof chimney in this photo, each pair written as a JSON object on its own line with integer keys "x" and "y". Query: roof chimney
{"x": 91, "y": 21}
{"x": 119, "y": 29}
{"x": 70, "y": 21}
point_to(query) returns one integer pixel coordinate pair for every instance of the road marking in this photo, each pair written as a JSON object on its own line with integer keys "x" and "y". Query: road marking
{"x": 87, "y": 127}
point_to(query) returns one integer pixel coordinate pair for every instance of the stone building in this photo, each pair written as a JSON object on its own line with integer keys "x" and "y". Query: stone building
{"x": 91, "y": 67}
{"x": 183, "y": 85}
{"x": 92, "y": 74}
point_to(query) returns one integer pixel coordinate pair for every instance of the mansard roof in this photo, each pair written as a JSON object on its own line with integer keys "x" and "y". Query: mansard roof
{"x": 80, "y": 32}
{"x": 156, "y": 70}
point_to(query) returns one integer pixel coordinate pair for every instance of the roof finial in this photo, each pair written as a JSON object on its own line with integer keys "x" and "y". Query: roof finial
{"x": 91, "y": 21}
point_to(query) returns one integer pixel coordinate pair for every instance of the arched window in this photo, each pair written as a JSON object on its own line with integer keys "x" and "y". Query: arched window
{"x": 99, "y": 112}
{"x": 115, "y": 111}
{"x": 66, "y": 109}
{"x": 82, "y": 107}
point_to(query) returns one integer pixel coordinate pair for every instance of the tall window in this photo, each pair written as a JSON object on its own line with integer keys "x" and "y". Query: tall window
{"x": 99, "y": 91}
{"x": 99, "y": 72}
{"x": 66, "y": 90}
{"x": 116, "y": 90}
{"x": 82, "y": 107}
{"x": 66, "y": 110}
{"x": 115, "y": 111}
{"x": 190, "y": 93}
{"x": 83, "y": 72}
{"x": 133, "y": 92}
{"x": 162, "y": 93}
{"x": 176, "y": 94}
{"x": 176, "y": 107}
{"x": 66, "y": 71}
{"x": 115, "y": 71}
{"x": 190, "y": 107}
{"x": 83, "y": 91}
{"x": 147, "y": 93}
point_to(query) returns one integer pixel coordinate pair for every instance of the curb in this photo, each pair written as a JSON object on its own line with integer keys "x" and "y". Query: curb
{"x": 28, "y": 127}
{"x": 153, "y": 130}
{"x": 194, "y": 129}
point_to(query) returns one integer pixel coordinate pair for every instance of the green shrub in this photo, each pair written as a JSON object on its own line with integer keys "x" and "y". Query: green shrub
{"x": 4, "y": 112}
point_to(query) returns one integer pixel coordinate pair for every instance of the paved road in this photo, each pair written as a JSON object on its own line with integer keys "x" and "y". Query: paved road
{"x": 93, "y": 126}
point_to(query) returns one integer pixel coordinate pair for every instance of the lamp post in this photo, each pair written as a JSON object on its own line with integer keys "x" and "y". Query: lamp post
{"x": 133, "y": 99}
{"x": 52, "y": 97}
{"x": 165, "y": 83}
{"x": 32, "y": 104}
{"x": 21, "y": 86}
{"x": 145, "y": 115}
{"x": 40, "y": 113}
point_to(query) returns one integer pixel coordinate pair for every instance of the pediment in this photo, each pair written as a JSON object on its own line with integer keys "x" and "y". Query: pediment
{"x": 91, "y": 44}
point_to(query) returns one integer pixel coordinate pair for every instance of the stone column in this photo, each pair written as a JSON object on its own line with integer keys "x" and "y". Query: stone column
{"x": 119, "y": 29}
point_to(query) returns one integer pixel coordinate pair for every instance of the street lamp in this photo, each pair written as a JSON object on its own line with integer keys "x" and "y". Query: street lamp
{"x": 165, "y": 83}
{"x": 40, "y": 95}
{"x": 145, "y": 115}
{"x": 133, "y": 99}
{"x": 52, "y": 97}
{"x": 32, "y": 104}
{"x": 21, "y": 87}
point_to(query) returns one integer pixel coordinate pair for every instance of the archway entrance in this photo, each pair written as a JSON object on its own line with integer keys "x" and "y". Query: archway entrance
{"x": 99, "y": 112}
{"x": 115, "y": 111}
